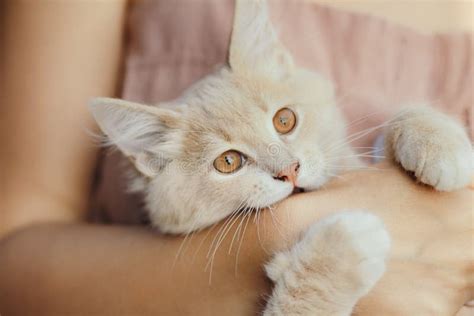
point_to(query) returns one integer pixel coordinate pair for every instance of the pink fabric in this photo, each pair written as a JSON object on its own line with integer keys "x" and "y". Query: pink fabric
{"x": 376, "y": 66}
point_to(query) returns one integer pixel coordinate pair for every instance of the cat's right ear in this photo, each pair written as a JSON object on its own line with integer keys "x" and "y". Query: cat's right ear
{"x": 255, "y": 47}
{"x": 145, "y": 134}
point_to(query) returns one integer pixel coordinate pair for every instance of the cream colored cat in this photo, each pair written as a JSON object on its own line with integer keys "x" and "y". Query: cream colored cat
{"x": 247, "y": 135}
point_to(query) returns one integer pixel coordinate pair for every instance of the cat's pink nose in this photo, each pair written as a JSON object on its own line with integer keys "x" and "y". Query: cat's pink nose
{"x": 290, "y": 173}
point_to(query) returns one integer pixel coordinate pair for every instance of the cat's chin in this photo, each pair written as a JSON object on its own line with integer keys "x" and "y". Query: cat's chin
{"x": 295, "y": 190}
{"x": 277, "y": 196}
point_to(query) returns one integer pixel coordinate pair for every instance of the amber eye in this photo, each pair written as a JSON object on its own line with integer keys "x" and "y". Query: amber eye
{"x": 284, "y": 120}
{"x": 229, "y": 161}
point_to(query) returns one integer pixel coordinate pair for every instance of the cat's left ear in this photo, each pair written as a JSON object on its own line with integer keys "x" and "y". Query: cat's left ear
{"x": 254, "y": 44}
{"x": 147, "y": 135}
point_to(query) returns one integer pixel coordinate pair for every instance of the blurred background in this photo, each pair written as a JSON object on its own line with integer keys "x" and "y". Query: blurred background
{"x": 424, "y": 15}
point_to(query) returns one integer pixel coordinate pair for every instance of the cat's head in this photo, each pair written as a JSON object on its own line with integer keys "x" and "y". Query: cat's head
{"x": 244, "y": 136}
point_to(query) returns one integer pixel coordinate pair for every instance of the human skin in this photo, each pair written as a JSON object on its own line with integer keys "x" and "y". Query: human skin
{"x": 54, "y": 57}
{"x": 52, "y": 262}
{"x": 106, "y": 270}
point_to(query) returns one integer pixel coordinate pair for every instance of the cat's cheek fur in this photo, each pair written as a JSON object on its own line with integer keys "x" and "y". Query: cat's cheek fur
{"x": 198, "y": 205}
{"x": 317, "y": 167}
{"x": 258, "y": 189}
{"x": 312, "y": 173}
{"x": 177, "y": 202}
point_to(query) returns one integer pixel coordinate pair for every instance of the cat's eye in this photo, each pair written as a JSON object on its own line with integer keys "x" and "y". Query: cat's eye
{"x": 229, "y": 161}
{"x": 284, "y": 121}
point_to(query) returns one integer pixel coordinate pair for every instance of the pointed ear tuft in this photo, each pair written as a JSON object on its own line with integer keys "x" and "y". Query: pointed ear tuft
{"x": 254, "y": 44}
{"x": 141, "y": 132}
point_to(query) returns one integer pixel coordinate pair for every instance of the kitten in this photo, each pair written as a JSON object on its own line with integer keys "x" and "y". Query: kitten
{"x": 250, "y": 133}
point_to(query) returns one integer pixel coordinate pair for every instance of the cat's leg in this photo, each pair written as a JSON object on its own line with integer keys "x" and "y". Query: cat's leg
{"x": 431, "y": 145}
{"x": 338, "y": 260}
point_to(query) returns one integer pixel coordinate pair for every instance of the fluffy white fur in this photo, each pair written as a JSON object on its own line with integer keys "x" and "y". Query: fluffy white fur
{"x": 173, "y": 147}
{"x": 337, "y": 262}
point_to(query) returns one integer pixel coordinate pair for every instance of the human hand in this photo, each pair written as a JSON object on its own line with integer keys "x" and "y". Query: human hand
{"x": 430, "y": 270}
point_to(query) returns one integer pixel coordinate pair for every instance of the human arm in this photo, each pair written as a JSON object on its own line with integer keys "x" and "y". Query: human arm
{"x": 122, "y": 270}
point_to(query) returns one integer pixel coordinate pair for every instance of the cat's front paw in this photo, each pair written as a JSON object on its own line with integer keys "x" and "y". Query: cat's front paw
{"x": 432, "y": 146}
{"x": 348, "y": 248}
{"x": 338, "y": 261}
{"x": 361, "y": 242}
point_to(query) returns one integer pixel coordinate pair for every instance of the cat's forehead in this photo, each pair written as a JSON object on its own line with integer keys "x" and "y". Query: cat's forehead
{"x": 228, "y": 121}
{"x": 224, "y": 93}
{"x": 223, "y": 108}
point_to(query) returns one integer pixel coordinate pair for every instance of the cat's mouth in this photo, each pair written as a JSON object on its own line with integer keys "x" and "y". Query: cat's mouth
{"x": 297, "y": 190}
